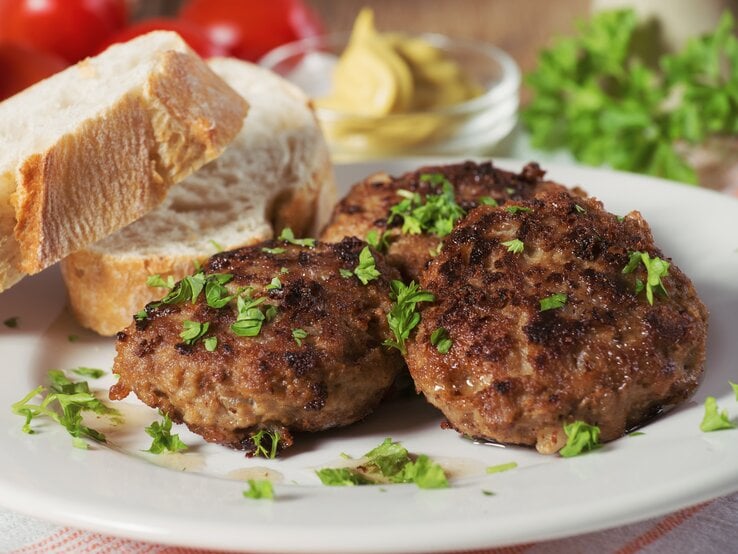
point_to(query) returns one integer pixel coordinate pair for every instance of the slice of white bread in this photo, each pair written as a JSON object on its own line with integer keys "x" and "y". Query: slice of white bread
{"x": 276, "y": 173}
{"x": 93, "y": 148}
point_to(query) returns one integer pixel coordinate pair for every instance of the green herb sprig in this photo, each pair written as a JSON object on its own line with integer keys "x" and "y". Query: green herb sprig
{"x": 595, "y": 95}
{"x": 162, "y": 438}
{"x": 64, "y": 404}
{"x": 390, "y": 462}
{"x": 403, "y": 317}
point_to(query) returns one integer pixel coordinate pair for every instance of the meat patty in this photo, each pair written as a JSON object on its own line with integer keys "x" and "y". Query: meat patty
{"x": 560, "y": 331}
{"x": 316, "y": 362}
{"x": 368, "y": 205}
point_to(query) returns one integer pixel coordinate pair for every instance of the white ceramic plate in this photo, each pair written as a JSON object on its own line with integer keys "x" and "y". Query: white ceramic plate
{"x": 196, "y": 500}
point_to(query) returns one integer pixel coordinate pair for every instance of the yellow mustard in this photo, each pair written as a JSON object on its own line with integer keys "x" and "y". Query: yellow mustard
{"x": 381, "y": 74}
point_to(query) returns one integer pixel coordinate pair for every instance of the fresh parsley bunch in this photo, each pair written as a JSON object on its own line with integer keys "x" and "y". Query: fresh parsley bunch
{"x": 594, "y": 95}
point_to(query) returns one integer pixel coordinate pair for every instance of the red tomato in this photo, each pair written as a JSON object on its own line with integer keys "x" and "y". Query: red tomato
{"x": 20, "y": 67}
{"x": 72, "y": 29}
{"x": 248, "y": 29}
{"x": 193, "y": 35}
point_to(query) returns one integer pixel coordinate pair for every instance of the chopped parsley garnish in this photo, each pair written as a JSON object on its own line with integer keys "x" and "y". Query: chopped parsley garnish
{"x": 580, "y": 438}
{"x": 92, "y": 372}
{"x": 64, "y": 404}
{"x": 273, "y": 250}
{"x": 377, "y": 241}
{"x": 216, "y": 295}
{"x": 389, "y": 462}
{"x": 12, "y": 322}
{"x": 487, "y": 493}
{"x": 346, "y": 273}
{"x": 516, "y": 209}
{"x": 193, "y": 331}
{"x": 656, "y": 269}
{"x": 250, "y": 317}
{"x": 366, "y": 271}
{"x": 440, "y": 339}
{"x": 156, "y": 281}
{"x": 636, "y": 434}
{"x": 288, "y": 236}
{"x": 283, "y": 270}
{"x": 515, "y": 246}
{"x": 266, "y": 443}
{"x": 488, "y": 201}
{"x": 210, "y": 343}
{"x": 271, "y": 312}
{"x": 72, "y": 338}
{"x": 275, "y": 284}
{"x": 163, "y": 440}
{"x": 218, "y": 247}
{"x": 299, "y": 335}
{"x": 437, "y": 214}
{"x": 713, "y": 419}
{"x": 341, "y": 477}
{"x": 259, "y": 489}
{"x": 403, "y": 317}
{"x": 734, "y": 386}
{"x": 434, "y": 252}
{"x": 553, "y": 302}
{"x": 579, "y": 209}
{"x": 502, "y": 467}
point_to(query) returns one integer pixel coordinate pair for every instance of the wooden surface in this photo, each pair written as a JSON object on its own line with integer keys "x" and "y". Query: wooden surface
{"x": 521, "y": 27}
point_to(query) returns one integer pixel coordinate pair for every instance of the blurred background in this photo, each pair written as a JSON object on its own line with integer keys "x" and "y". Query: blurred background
{"x": 634, "y": 89}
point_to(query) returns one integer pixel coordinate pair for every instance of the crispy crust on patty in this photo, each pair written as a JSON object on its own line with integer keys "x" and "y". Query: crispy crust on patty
{"x": 517, "y": 374}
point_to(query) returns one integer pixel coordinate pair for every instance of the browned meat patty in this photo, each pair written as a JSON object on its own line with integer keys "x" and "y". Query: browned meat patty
{"x": 368, "y": 206}
{"x": 317, "y": 361}
{"x": 522, "y": 361}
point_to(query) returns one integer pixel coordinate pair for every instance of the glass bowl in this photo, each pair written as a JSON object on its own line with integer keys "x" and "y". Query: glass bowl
{"x": 470, "y": 128}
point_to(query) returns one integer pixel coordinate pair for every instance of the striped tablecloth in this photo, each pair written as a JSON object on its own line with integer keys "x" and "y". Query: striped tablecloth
{"x": 707, "y": 528}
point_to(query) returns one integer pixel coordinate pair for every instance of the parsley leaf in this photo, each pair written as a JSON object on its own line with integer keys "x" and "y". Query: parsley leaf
{"x": 435, "y": 214}
{"x": 390, "y": 462}
{"x": 403, "y": 317}
{"x": 210, "y": 343}
{"x": 299, "y": 335}
{"x": 163, "y": 440}
{"x": 714, "y": 420}
{"x": 596, "y": 95}
{"x": 64, "y": 404}
{"x": 553, "y": 302}
{"x": 275, "y": 284}
{"x": 193, "y": 331}
{"x": 89, "y": 372}
{"x": 346, "y": 273}
{"x": 440, "y": 339}
{"x": 502, "y": 467}
{"x": 515, "y": 209}
{"x": 259, "y": 489}
{"x": 288, "y": 236}
{"x": 274, "y": 250}
{"x": 377, "y": 241}
{"x": 249, "y": 318}
{"x": 341, "y": 477}
{"x": 580, "y": 438}
{"x": 735, "y": 389}
{"x": 156, "y": 281}
{"x": 488, "y": 201}
{"x": 656, "y": 269}
{"x": 266, "y": 443}
{"x": 515, "y": 246}
{"x": 366, "y": 271}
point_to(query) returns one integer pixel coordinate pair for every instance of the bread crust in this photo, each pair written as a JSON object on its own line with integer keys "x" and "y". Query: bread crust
{"x": 280, "y": 161}
{"x": 115, "y": 167}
